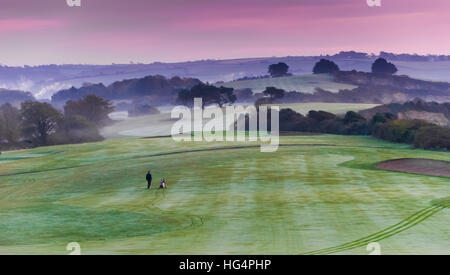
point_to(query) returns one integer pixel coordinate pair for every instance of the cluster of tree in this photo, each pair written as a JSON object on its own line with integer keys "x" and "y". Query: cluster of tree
{"x": 157, "y": 88}
{"x": 279, "y": 70}
{"x": 381, "y": 66}
{"x": 351, "y": 55}
{"x": 414, "y": 105}
{"x": 414, "y": 57}
{"x": 323, "y": 122}
{"x": 12, "y": 96}
{"x": 92, "y": 107}
{"x": 379, "y": 87}
{"x": 420, "y": 133}
{"x": 363, "y": 94}
{"x": 269, "y": 96}
{"x": 244, "y": 95}
{"x": 40, "y": 124}
{"x": 325, "y": 66}
{"x": 249, "y": 78}
{"x": 210, "y": 95}
{"x": 382, "y": 125}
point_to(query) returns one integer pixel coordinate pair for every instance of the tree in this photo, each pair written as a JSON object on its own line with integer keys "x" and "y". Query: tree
{"x": 325, "y": 66}
{"x": 277, "y": 70}
{"x": 244, "y": 95}
{"x": 39, "y": 120}
{"x": 274, "y": 93}
{"x": 320, "y": 115}
{"x": 262, "y": 101}
{"x": 379, "y": 119}
{"x": 77, "y": 129}
{"x": 9, "y": 124}
{"x": 92, "y": 107}
{"x": 209, "y": 95}
{"x": 381, "y": 66}
{"x": 353, "y": 117}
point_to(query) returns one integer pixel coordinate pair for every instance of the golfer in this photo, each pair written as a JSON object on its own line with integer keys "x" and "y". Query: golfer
{"x": 149, "y": 179}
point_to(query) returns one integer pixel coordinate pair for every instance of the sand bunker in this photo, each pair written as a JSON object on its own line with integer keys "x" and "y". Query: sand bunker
{"x": 418, "y": 166}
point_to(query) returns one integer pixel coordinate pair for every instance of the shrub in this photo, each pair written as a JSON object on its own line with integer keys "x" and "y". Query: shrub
{"x": 432, "y": 137}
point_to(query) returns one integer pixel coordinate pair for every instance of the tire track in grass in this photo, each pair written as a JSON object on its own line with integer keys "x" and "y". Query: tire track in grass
{"x": 196, "y": 220}
{"x": 405, "y": 224}
{"x": 42, "y": 171}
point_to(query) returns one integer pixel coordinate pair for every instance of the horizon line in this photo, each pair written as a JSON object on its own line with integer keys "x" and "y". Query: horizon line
{"x": 215, "y": 59}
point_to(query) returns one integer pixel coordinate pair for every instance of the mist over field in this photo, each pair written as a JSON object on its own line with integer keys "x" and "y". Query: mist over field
{"x": 44, "y": 81}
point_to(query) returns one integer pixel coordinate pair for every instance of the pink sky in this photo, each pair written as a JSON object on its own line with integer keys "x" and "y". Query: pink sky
{"x": 120, "y": 31}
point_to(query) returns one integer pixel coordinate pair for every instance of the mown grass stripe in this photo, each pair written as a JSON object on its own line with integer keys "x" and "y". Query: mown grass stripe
{"x": 384, "y": 236}
{"x": 387, "y": 232}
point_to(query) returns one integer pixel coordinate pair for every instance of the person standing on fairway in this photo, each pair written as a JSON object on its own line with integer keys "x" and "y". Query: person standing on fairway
{"x": 149, "y": 179}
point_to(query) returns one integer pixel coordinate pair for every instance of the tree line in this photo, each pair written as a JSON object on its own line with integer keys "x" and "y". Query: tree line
{"x": 40, "y": 124}
{"x": 386, "y": 126}
{"x": 223, "y": 95}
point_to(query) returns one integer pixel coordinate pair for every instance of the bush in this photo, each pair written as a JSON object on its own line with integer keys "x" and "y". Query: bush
{"x": 432, "y": 137}
{"x": 402, "y": 131}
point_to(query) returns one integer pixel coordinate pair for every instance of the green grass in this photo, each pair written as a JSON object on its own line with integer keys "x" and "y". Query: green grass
{"x": 318, "y": 194}
{"x": 298, "y": 83}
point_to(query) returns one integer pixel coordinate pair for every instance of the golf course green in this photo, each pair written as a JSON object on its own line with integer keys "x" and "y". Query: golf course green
{"x": 316, "y": 195}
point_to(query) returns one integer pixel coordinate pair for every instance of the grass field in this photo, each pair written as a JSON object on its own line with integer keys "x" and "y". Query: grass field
{"x": 316, "y": 194}
{"x": 161, "y": 124}
{"x": 298, "y": 83}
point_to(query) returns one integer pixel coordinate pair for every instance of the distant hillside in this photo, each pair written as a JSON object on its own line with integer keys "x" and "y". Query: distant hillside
{"x": 14, "y": 97}
{"x": 299, "y": 83}
{"x": 46, "y": 79}
{"x": 157, "y": 88}
{"x": 418, "y": 109}
{"x": 346, "y": 87}
{"x": 381, "y": 88}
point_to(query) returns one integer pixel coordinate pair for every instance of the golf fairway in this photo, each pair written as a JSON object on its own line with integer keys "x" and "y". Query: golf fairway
{"x": 315, "y": 195}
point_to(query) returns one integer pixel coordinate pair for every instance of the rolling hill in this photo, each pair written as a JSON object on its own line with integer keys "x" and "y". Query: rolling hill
{"x": 299, "y": 83}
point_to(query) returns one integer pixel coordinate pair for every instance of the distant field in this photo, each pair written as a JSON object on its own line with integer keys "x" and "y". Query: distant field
{"x": 298, "y": 83}
{"x": 335, "y": 108}
{"x": 437, "y": 71}
{"x": 161, "y": 124}
{"x": 316, "y": 194}
{"x": 143, "y": 126}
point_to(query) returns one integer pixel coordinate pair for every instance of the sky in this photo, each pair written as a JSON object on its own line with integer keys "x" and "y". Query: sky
{"x": 124, "y": 31}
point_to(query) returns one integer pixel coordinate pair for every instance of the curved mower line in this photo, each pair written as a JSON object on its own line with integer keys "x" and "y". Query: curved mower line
{"x": 405, "y": 224}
